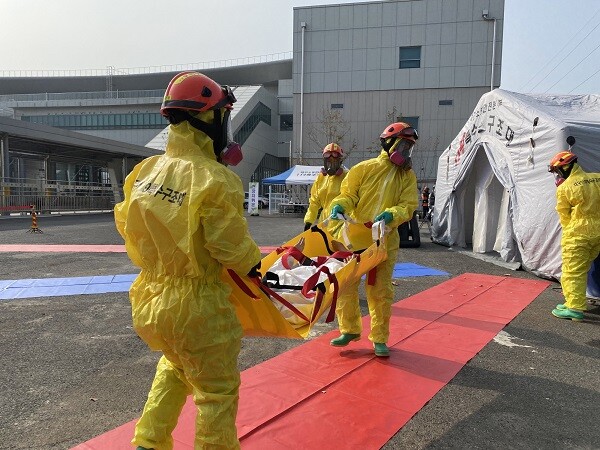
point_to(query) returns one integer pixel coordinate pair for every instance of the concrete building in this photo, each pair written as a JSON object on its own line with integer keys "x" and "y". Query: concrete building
{"x": 354, "y": 69}
{"x": 358, "y": 67}
{"x": 125, "y": 108}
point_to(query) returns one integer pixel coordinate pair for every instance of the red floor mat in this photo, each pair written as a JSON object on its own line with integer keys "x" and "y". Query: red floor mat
{"x": 80, "y": 248}
{"x": 323, "y": 396}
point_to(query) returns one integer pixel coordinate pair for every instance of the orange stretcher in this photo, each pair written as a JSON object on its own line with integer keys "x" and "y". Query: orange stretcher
{"x": 254, "y": 302}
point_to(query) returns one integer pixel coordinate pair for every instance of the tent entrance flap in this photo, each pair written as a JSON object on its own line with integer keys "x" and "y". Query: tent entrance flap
{"x": 486, "y": 211}
{"x": 488, "y": 217}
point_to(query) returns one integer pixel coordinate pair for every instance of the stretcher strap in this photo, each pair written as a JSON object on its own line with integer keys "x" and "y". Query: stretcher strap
{"x": 318, "y": 302}
{"x": 372, "y": 276}
{"x": 311, "y": 283}
{"x": 245, "y": 289}
{"x": 271, "y": 293}
{"x": 320, "y": 288}
{"x": 298, "y": 256}
{"x": 339, "y": 255}
{"x": 271, "y": 279}
{"x": 316, "y": 229}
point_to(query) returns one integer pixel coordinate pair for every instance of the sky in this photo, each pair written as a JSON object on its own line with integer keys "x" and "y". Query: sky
{"x": 549, "y": 45}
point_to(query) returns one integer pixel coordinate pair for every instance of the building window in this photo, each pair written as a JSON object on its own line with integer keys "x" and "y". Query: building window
{"x": 337, "y": 106}
{"x": 446, "y": 102}
{"x": 260, "y": 113}
{"x": 101, "y": 121}
{"x": 413, "y": 121}
{"x": 286, "y": 122}
{"x": 410, "y": 57}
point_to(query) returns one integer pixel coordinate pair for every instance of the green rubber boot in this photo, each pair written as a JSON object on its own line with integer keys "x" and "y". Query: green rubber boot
{"x": 561, "y": 306}
{"x": 344, "y": 339}
{"x": 381, "y": 349}
{"x": 567, "y": 313}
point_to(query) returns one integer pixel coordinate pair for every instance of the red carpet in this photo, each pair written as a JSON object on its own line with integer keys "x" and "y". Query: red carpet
{"x": 84, "y": 248}
{"x": 327, "y": 397}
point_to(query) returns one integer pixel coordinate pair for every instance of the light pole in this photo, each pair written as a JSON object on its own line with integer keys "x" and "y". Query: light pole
{"x": 486, "y": 16}
{"x": 288, "y": 142}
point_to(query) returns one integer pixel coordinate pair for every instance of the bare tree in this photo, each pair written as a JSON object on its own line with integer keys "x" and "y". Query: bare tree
{"x": 330, "y": 127}
{"x": 424, "y": 155}
{"x": 391, "y": 116}
{"x": 425, "y": 159}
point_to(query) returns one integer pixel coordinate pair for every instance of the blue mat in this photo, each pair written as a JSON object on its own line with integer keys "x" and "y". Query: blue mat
{"x": 403, "y": 270}
{"x": 54, "y": 287}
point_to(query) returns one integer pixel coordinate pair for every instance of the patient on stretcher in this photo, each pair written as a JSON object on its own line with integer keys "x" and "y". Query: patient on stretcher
{"x": 296, "y": 278}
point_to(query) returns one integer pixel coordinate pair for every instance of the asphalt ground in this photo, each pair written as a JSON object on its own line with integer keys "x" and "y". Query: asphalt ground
{"x": 73, "y": 368}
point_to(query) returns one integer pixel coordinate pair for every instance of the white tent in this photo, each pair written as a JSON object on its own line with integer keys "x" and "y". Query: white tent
{"x": 297, "y": 181}
{"x": 295, "y": 175}
{"x": 493, "y": 189}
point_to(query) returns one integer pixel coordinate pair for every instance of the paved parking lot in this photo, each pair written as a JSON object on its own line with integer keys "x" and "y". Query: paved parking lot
{"x": 73, "y": 368}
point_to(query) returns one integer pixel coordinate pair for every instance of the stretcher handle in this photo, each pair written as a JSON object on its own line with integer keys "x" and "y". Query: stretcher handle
{"x": 238, "y": 280}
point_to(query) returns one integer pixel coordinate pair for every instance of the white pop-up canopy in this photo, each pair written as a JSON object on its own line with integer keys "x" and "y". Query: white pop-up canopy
{"x": 493, "y": 189}
{"x": 295, "y": 175}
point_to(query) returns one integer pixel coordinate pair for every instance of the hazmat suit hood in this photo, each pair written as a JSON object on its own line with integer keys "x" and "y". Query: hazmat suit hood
{"x": 184, "y": 139}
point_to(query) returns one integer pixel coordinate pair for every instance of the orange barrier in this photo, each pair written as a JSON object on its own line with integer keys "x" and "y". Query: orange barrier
{"x": 34, "y": 226}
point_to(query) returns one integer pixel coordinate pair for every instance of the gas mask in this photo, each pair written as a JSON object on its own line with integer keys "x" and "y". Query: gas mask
{"x": 332, "y": 164}
{"x": 399, "y": 151}
{"x": 231, "y": 154}
{"x": 558, "y": 179}
{"x": 561, "y": 173}
{"x": 227, "y": 151}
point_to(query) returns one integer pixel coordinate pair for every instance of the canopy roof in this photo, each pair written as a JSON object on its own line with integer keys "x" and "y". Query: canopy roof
{"x": 295, "y": 175}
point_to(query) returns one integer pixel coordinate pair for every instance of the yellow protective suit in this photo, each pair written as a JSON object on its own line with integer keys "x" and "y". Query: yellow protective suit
{"x": 323, "y": 191}
{"x": 577, "y": 204}
{"x": 182, "y": 221}
{"x": 372, "y": 187}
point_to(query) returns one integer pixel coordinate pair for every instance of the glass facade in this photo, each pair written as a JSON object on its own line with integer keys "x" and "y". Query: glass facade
{"x": 269, "y": 166}
{"x": 260, "y": 113}
{"x": 101, "y": 121}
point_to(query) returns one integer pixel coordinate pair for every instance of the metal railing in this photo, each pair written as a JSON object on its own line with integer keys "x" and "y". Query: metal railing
{"x": 113, "y": 71}
{"x": 17, "y": 196}
{"x": 97, "y": 95}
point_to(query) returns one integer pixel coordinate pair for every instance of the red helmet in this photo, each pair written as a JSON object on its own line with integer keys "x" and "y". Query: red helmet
{"x": 193, "y": 91}
{"x": 400, "y": 130}
{"x": 561, "y": 159}
{"x": 333, "y": 150}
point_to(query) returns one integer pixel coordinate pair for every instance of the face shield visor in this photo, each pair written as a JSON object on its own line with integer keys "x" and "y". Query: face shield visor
{"x": 401, "y": 152}
{"x": 332, "y": 163}
{"x": 561, "y": 173}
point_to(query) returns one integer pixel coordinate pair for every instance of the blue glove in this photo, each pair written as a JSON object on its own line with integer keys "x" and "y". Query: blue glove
{"x": 386, "y": 216}
{"x": 337, "y": 209}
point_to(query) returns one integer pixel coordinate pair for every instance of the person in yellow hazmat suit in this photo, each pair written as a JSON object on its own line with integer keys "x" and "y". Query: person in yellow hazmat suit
{"x": 381, "y": 188}
{"x": 182, "y": 222}
{"x": 327, "y": 185}
{"x": 577, "y": 201}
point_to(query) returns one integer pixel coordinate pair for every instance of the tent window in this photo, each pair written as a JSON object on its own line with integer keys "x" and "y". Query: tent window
{"x": 410, "y": 57}
{"x": 446, "y": 102}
